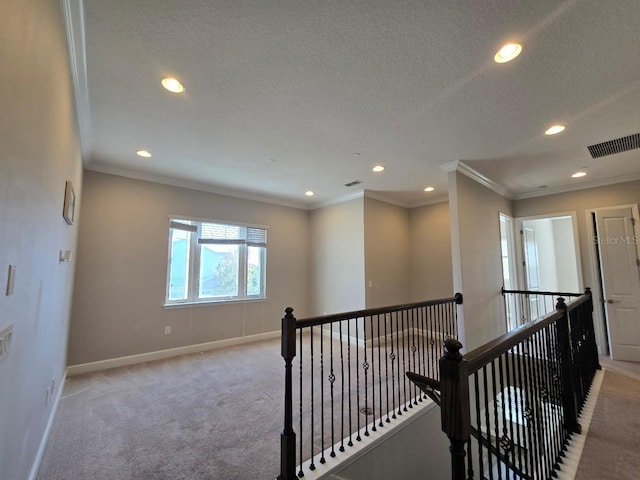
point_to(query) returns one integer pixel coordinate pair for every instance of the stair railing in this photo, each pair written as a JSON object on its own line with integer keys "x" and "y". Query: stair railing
{"x": 510, "y": 406}
{"x": 350, "y": 379}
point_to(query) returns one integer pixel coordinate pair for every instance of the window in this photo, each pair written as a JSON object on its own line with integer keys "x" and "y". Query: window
{"x": 213, "y": 262}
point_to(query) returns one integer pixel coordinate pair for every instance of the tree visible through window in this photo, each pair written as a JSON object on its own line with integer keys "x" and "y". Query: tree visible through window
{"x": 215, "y": 262}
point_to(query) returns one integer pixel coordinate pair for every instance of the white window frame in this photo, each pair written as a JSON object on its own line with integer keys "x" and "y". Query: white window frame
{"x": 193, "y": 273}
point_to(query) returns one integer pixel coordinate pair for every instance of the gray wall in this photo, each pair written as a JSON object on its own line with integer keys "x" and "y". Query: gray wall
{"x": 430, "y": 252}
{"x": 386, "y": 247}
{"x": 122, "y": 266}
{"x": 418, "y": 450}
{"x": 477, "y": 264}
{"x": 337, "y": 258}
{"x": 580, "y": 202}
{"x": 39, "y": 151}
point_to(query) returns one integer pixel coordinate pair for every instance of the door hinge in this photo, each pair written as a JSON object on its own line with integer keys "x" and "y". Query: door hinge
{"x": 633, "y": 221}
{"x": 521, "y": 232}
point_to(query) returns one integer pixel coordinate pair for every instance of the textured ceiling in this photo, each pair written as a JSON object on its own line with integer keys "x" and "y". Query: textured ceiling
{"x": 280, "y": 95}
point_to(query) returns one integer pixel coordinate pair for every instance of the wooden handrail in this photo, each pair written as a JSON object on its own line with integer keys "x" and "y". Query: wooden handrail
{"x": 484, "y": 354}
{"x": 537, "y": 292}
{"x": 338, "y": 317}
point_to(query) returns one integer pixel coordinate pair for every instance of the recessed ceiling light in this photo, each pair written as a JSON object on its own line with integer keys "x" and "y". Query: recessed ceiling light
{"x": 309, "y": 193}
{"x": 172, "y": 84}
{"x": 578, "y": 174}
{"x": 429, "y": 189}
{"x": 143, "y": 153}
{"x": 508, "y": 52}
{"x": 378, "y": 168}
{"x": 555, "y": 129}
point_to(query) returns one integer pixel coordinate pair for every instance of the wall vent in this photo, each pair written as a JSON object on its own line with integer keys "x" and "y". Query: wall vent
{"x": 619, "y": 145}
{"x": 353, "y": 184}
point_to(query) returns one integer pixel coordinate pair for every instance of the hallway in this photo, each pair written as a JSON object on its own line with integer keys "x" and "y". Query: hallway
{"x": 612, "y": 447}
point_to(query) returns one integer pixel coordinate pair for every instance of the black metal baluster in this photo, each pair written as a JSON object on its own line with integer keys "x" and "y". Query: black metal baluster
{"x": 365, "y": 367}
{"x": 404, "y": 357}
{"x": 342, "y": 389}
{"x": 300, "y": 472}
{"x": 524, "y": 405}
{"x": 413, "y": 351}
{"x": 557, "y": 392}
{"x": 398, "y": 374}
{"x": 505, "y": 441}
{"x": 312, "y": 465}
{"x": 553, "y": 439}
{"x": 332, "y": 379}
{"x": 495, "y": 417}
{"x": 392, "y": 356}
{"x": 373, "y": 375}
{"x": 487, "y": 422}
{"x": 532, "y": 394}
{"x": 541, "y": 419}
{"x": 322, "y": 459}
{"x": 380, "y": 422}
{"x": 433, "y": 342}
{"x": 478, "y": 426}
{"x": 350, "y": 443}
{"x": 510, "y": 371}
{"x": 386, "y": 364}
{"x": 544, "y": 394}
{"x": 422, "y": 357}
{"x": 358, "y": 437}
{"x": 538, "y": 429}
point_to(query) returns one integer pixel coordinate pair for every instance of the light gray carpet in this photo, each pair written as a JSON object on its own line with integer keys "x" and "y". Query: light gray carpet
{"x": 217, "y": 415}
{"x": 212, "y": 416}
{"x": 612, "y": 447}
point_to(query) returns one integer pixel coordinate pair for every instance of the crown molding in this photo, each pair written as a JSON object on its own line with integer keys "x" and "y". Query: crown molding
{"x": 432, "y": 201}
{"x": 73, "y": 15}
{"x": 193, "y": 185}
{"x": 578, "y": 186}
{"x": 380, "y": 196}
{"x": 460, "y": 166}
{"x": 335, "y": 201}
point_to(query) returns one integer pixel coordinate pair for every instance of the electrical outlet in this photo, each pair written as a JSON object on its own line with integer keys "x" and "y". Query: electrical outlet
{"x": 167, "y": 330}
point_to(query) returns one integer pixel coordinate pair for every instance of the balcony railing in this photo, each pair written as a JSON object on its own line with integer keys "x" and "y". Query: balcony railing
{"x": 350, "y": 380}
{"x": 510, "y": 407}
{"x": 523, "y": 306}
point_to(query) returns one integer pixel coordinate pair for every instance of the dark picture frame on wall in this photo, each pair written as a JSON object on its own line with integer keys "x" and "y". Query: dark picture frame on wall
{"x": 68, "y": 210}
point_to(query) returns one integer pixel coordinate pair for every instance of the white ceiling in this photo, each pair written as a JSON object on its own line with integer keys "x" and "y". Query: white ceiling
{"x": 280, "y": 95}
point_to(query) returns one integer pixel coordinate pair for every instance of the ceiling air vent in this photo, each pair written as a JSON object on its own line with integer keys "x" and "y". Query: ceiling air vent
{"x": 353, "y": 184}
{"x": 619, "y": 145}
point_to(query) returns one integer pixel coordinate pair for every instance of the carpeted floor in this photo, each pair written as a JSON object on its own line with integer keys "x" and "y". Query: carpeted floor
{"x": 183, "y": 418}
{"x": 612, "y": 447}
{"x": 217, "y": 415}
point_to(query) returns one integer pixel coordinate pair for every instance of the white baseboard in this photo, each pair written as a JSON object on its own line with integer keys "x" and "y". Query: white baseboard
{"x": 168, "y": 353}
{"x": 45, "y": 436}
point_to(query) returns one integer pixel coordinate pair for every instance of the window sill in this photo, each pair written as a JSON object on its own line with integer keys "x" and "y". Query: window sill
{"x": 205, "y": 303}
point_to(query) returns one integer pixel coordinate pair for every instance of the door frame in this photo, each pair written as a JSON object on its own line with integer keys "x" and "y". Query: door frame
{"x": 599, "y": 317}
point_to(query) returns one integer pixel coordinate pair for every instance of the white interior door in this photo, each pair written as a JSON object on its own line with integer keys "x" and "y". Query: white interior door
{"x": 618, "y": 250}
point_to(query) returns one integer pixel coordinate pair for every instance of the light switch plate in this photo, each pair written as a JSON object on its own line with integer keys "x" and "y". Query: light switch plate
{"x": 11, "y": 279}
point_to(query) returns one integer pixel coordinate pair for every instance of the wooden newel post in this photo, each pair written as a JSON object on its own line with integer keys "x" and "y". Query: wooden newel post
{"x": 456, "y": 416}
{"x": 288, "y": 436}
{"x": 566, "y": 374}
